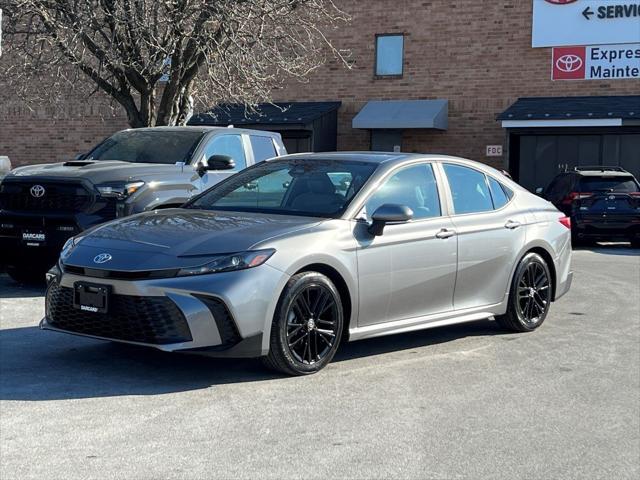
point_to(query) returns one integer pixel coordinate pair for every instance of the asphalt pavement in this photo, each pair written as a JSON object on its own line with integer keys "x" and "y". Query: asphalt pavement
{"x": 467, "y": 401}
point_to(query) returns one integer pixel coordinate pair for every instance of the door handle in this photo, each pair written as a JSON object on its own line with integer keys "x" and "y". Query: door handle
{"x": 444, "y": 233}
{"x": 512, "y": 224}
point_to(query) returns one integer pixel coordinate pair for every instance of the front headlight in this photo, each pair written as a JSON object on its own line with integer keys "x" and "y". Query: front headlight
{"x": 68, "y": 247}
{"x": 119, "y": 190}
{"x": 230, "y": 262}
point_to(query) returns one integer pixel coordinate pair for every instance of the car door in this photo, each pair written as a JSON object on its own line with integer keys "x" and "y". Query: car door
{"x": 232, "y": 144}
{"x": 410, "y": 269}
{"x": 490, "y": 231}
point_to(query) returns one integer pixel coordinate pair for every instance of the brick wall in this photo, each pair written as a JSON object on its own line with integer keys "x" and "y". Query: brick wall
{"x": 475, "y": 53}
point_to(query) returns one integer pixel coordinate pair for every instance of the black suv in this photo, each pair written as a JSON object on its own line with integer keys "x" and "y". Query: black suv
{"x": 603, "y": 203}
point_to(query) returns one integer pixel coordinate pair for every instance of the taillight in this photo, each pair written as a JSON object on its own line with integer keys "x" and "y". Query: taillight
{"x": 566, "y": 221}
{"x": 568, "y": 200}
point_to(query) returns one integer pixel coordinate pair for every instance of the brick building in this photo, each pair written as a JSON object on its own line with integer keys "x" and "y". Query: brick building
{"x": 475, "y": 57}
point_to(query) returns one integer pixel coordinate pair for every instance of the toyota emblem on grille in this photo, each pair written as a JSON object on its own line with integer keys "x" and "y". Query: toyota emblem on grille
{"x": 37, "y": 191}
{"x": 569, "y": 63}
{"x": 102, "y": 258}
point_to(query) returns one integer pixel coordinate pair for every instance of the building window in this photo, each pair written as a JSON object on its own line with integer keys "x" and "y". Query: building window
{"x": 389, "y": 55}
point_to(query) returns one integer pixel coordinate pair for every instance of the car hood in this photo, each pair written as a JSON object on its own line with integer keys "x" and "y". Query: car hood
{"x": 175, "y": 238}
{"x": 95, "y": 171}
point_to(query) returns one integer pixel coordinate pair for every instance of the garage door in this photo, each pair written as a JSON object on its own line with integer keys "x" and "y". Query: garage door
{"x": 542, "y": 157}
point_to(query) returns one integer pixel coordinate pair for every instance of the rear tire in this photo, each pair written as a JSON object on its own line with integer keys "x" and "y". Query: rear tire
{"x": 529, "y": 296}
{"x": 307, "y": 325}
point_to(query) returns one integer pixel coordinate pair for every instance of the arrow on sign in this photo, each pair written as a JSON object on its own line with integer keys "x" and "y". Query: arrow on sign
{"x": 587, "y": 13}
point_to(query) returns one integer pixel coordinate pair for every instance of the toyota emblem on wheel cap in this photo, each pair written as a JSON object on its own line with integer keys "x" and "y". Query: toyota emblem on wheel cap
{"x": 37, "y": 191}
{"x": 102, "y": 258}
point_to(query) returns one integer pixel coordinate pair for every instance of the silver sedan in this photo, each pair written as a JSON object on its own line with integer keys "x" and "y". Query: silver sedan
{"x": 289, "y": 258}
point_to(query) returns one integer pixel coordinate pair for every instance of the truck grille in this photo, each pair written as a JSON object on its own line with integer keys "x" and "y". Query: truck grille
{"x": 50, "y": 197}
{"x": 153, "y": 320}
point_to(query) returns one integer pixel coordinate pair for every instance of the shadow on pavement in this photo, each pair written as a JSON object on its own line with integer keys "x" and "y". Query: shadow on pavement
{"x": 11, "y": 289}
{"x": 610, "y": 248}
{"x": 37, "y": 365}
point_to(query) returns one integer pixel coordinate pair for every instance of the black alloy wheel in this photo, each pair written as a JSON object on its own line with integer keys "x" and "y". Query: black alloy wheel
{"x": 533, "y": 293}
{"x": 307, "y": 325}
{"x": 530, "y": 295}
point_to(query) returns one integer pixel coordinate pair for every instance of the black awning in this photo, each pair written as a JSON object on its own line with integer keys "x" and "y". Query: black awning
{"x": 564, "y": 108}
{"x": 279, "y": 113}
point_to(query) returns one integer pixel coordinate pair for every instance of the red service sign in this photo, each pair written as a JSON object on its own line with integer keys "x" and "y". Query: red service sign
{"x": 596, "y": 62}
{"x": 569, "y": 63}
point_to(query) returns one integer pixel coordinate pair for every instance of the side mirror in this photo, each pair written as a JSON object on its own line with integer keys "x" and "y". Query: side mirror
{"x": 216, "y": 162}
{"x": 388, "y": 213}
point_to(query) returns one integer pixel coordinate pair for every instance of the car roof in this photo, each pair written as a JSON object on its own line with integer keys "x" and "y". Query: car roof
{"x": 202, "y": 129}
{"x": 369, "y": 157}
{"x": 602, "y": 173}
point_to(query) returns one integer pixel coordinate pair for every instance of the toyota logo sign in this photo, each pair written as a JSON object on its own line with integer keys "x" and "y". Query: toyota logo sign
{"x": 569, "y": 63}
{"x": 37, "y": 191}
{"x": 561, "y": 2}
{"x": 102, "y": 258}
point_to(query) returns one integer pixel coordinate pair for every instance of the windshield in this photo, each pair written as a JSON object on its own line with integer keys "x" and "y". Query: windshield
{"x": 609, "y": 184}
{"x": 148, "y": 146}
{"x": 318, "y": 188}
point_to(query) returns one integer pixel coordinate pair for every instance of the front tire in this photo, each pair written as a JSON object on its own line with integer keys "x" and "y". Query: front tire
{"x": 530, "y": 295}
{"x": 307, "y": 325}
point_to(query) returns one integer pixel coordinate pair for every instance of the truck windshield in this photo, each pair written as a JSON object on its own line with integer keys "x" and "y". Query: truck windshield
{"x": 317, "y": 188}
{"x": 146, "y": 146}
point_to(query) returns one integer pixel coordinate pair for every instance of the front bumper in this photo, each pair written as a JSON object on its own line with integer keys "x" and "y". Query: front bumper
{"x": 224, "y": 314}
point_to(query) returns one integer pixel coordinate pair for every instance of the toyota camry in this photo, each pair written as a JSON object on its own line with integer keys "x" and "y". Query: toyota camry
{"x": 287, "y": 259}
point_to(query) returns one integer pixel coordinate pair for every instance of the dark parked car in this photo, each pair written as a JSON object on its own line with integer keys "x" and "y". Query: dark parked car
{"x": 132, "y": 171}
{"x": 602, "y": 202}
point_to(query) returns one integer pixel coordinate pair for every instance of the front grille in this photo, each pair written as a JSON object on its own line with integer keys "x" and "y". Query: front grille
{"x": 56, "y": 197}
{"x": 153, "y": 320}
{"x": 120, "y": 275}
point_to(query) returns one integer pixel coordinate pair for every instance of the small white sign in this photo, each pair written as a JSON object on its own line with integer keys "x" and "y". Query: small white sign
{"x": 494, "y": 150}
{"x": 561, "y": 23}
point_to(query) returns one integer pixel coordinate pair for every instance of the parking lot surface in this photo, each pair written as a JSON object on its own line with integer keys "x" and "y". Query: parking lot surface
{"x": 467, "y": 401}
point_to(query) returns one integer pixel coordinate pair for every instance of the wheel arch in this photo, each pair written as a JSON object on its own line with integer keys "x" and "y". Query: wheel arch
{"x": 343, "y": 290}
{"x": 546, "y": 255}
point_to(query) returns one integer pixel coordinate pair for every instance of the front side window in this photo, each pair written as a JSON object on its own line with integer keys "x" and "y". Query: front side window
{"x": 148, "y": 146}
{"x": 414, "y": 187}
{"x": 469, "y": 189}
{"x": 320, "y": 188}
{"x": 262, "y": 148}
{"x": 389, "y": 54}
{"x": 230, "y": 145}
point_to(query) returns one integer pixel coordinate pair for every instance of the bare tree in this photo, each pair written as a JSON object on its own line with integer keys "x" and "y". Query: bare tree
{"x": 157, "y": 58}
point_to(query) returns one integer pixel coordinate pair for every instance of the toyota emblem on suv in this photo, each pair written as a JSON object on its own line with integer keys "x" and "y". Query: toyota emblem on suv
{"x": 102, "y": 258}
{"x": 37, "y": 191}
{"x": 569, "y": 63}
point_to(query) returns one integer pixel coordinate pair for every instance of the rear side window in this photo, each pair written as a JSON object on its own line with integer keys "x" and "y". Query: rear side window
{"x": 498, "y": 193}
{"x": 262, "y": 147}
{"x": 609, "y": 184}
{"x": 469, "y": 189}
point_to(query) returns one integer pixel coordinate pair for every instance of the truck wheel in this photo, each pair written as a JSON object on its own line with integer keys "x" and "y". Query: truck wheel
{"x": 27, "y": 273}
